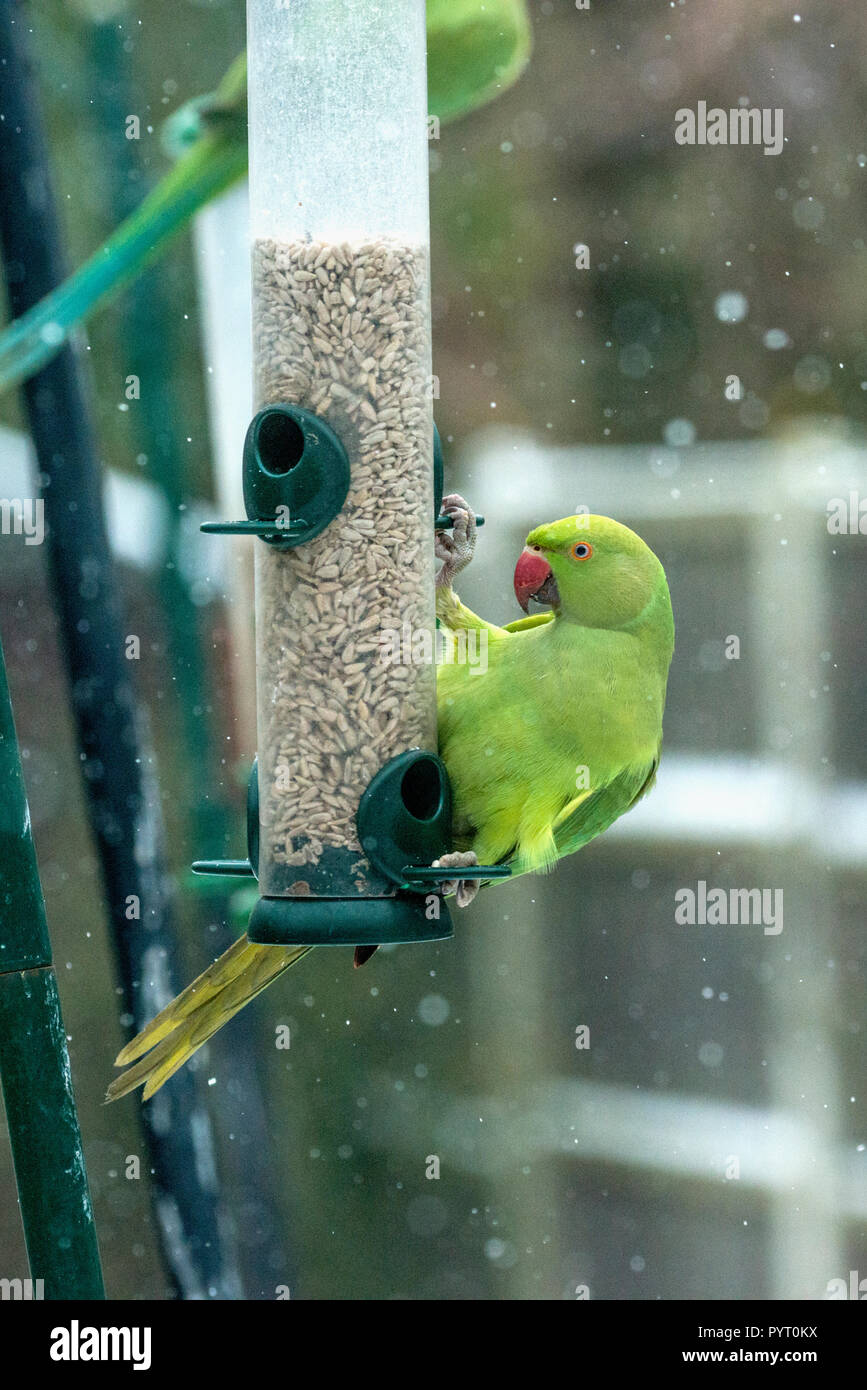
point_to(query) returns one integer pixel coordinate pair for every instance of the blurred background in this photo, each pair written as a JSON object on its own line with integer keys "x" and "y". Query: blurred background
{"x": 710, "y": 1141}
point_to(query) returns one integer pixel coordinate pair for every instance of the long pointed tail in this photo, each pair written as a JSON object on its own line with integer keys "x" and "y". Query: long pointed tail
{"x": 187, "y": 1022}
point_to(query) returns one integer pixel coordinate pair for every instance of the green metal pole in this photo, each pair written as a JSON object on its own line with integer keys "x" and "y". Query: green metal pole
{"x": 34, "y": 1062}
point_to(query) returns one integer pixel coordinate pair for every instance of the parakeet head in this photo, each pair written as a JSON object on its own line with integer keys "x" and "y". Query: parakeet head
{"x": 590, "y": 570}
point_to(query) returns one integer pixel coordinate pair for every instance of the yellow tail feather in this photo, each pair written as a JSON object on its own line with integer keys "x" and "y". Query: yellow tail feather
{"x": 198, "y": 1012}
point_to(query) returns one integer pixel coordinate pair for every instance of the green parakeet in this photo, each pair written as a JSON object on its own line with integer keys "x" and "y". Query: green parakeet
{"x": 546, "y": 744}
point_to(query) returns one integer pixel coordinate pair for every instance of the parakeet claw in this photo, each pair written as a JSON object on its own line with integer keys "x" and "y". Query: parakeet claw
{"x": 455, "y": 548}
{"x": 464, "y": 889}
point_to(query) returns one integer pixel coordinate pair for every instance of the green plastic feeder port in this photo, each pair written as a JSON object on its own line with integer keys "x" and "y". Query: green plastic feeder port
{"x": 296, "y": 478}
{"x": 404, "y": 823}
{"x": 404, "y": 817}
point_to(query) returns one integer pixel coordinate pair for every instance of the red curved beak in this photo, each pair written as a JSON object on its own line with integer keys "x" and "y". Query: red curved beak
{"x": 531, "y": 572}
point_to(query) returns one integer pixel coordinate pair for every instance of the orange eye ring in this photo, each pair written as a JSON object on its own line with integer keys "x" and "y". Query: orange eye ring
{"x": 581, "y": 550}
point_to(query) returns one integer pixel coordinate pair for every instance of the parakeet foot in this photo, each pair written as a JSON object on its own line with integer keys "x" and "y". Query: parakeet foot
{"x": 455, "y": 548}
{"x": 464, "y": 889}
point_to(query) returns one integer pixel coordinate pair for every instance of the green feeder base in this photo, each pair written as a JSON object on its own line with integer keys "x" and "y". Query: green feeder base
{"x": 347, "y": 921}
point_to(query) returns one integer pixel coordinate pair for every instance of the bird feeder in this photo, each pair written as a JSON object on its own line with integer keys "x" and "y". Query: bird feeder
{"x": 350, "y": 803}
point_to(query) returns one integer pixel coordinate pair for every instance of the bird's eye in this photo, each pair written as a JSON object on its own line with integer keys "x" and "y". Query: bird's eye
{"x": 582, "y": 551}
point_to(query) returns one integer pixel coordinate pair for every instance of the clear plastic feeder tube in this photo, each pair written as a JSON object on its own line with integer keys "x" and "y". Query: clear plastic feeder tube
{"x": 341, "y": 326}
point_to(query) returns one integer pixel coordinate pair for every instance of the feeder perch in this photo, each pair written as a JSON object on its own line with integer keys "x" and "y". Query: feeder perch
{"x": 240, "y": 868}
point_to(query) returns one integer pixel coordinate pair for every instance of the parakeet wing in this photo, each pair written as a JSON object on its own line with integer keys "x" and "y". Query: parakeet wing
{"x": 601, "y": 808}
{"x": 587, "y": 816}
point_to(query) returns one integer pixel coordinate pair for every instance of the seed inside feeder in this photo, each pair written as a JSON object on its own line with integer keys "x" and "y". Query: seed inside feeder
{"x": 342, "y": 330}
